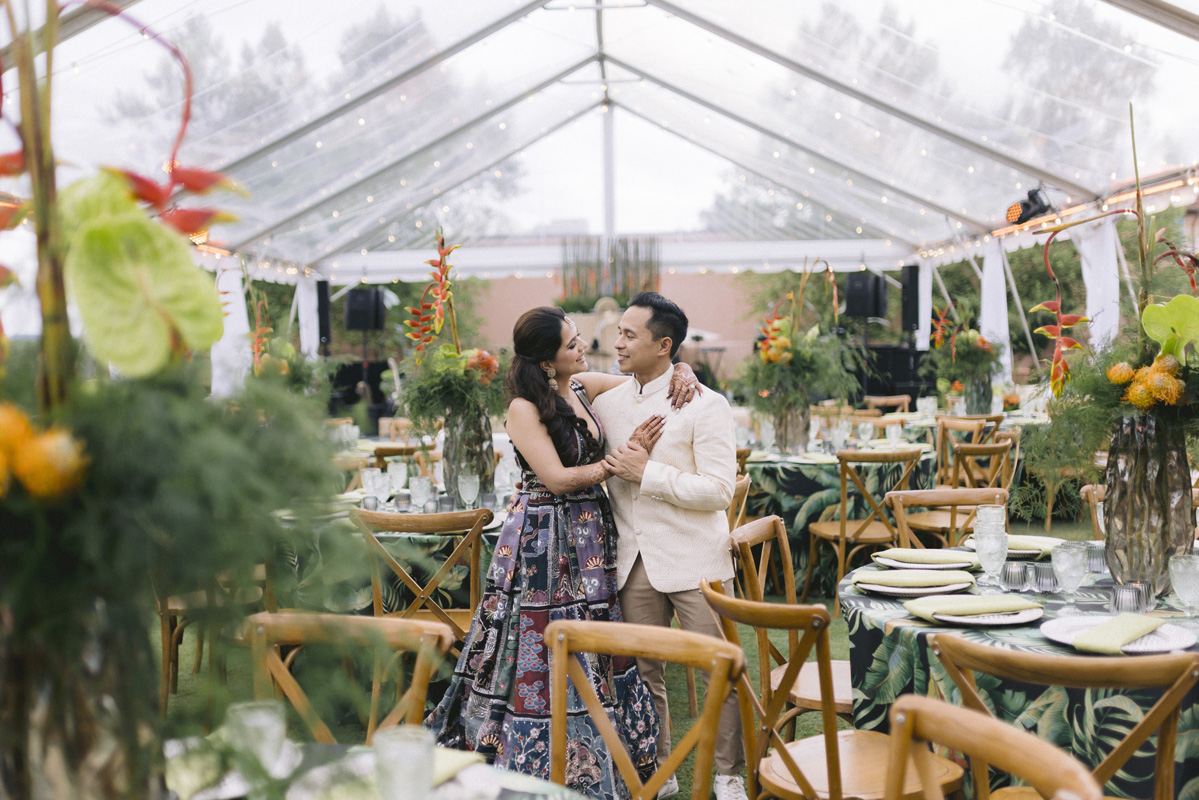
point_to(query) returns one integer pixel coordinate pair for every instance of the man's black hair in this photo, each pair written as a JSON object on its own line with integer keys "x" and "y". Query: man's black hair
{"x": 666, "y": 318}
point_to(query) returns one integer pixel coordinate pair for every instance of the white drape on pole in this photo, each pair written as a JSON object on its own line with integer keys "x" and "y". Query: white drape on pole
{"x": 231, "y": 357}
{"x": 924, "y": 286}
{"x": 1098, "y": 246}
{"x": 309, "y": 321}
{"x": 992, "y": 313}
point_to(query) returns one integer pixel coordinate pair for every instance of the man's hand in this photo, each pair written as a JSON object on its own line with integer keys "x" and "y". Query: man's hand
{"x": 648, "y": 432}
{"x": 628, "y": 462}
{"x": 684, "y": 386}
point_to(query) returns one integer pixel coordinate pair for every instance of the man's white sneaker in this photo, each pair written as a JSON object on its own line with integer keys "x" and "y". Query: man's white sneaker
{"x": 671, "y": 788}
{"x": 728, "y": 787}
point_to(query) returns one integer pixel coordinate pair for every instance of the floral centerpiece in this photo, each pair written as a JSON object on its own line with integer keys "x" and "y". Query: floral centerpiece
{"x": 110, "y": 482}
{"x": 962, "y": 361}
{"x": 795, "y": 363}
{"x": 1141, "y": 390}
{"x": 451, "y": 384}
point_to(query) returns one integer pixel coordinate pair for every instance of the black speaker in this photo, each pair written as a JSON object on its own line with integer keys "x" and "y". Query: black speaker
{"x": 365, "y": 310}
{"x": 911, "y": 297}
{"x": 324, "y": 323}
{"x": 865, "y": 295}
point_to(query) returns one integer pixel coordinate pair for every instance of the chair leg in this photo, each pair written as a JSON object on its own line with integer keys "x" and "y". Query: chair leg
{"x": 166, "y": 634}
{"x": 840, "y": 574}
{"x": 807, "y": 581}
{"x": 692, "y": 700}
{"x": 199, "y": 657}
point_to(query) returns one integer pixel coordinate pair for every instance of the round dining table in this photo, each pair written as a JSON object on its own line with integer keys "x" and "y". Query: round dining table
{"x": 889, "y": 655}
{"x": 807, "y": 488}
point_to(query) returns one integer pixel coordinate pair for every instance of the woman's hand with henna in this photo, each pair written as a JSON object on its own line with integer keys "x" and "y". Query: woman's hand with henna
{"x": 684, "y": 386}
{"x": 647, "y": 433}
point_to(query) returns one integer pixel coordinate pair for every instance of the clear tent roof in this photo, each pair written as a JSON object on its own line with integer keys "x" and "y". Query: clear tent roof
{"x": 360, "y": 127}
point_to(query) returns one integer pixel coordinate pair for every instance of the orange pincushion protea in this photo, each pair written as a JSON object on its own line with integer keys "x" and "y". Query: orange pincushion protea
{"x": 50, "y": 464}
{"x": 15, "y": 429}
{"x": 1121, "y": 373}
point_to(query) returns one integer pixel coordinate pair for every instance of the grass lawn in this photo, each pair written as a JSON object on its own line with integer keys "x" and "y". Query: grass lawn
{"x": 187, "y": 707}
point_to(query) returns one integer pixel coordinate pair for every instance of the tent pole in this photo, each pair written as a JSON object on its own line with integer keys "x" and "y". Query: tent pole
{"x": 1011, "y": 282}
{"x": 945, "y": 293}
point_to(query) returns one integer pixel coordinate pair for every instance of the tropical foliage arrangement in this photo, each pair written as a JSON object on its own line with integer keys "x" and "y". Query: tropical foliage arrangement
{"x": 961, "y": 360}
{"x": 796, "y": 365}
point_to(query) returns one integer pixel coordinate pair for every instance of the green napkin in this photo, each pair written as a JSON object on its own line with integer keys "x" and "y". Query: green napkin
{"x": 968, "y": 605}
{"x": 917, "y": 556}
{"x": 911, "y": 578}
{"x": 813, "y": 458}
{"x": 1044, "y": 544}
{"x": 1109, "y": 638}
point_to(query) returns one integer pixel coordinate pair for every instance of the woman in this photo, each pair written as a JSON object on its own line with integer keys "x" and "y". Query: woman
{"x": 555, "y": 559}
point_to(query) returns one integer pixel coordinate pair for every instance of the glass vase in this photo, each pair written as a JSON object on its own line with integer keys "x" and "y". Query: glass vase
{"x": 1147, "y": 508}
{"x": 978, "y": 395}
{"x": 791, "y": 429}
{"x": 468, "y": 450}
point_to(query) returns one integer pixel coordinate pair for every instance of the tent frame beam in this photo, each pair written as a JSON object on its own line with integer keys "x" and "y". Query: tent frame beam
{"x": 1077, "y": 190}
{"x": 1165, "y": 15}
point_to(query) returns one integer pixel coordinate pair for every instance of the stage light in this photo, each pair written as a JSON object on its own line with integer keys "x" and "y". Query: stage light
{"x": 1024, "y": 210}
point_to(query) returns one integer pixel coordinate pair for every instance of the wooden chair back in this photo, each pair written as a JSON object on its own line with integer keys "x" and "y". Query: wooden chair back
{"x": 763, "y": 713}
{"x": 917, "y": 722}
{"x": 768, "y": 537}
{"x": 429, "y": 641}
{"x": 960, "y": 519}
{"x": 386, "y": 451}
{"x": 1174, "y": 673}
{"x": 724, "y": 663}
{"x": 353, "y": 466}
{"x": 848, "y": 461}
{"x": 466, "y": 524}
{"x": 1014, "y": 435}
{"x": 1092, "y": 495}
{"x": 993, "y": 421}
{"x": 970, "y": 470}
{"x": 891, "y": 402}
{"x": 969, "y": 430}
{"x": 736, "y": 511}
{"x": 742, "y": 457}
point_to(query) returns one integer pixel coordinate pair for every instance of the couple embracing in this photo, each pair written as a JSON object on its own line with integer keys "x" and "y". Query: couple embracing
{"x": 667, "y": 453}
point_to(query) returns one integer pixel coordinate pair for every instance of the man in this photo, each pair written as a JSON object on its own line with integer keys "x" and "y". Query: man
{"x": 670, "y": 509}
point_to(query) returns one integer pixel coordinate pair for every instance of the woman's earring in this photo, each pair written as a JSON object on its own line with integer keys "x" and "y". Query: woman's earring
{"x": 550, "y": 374}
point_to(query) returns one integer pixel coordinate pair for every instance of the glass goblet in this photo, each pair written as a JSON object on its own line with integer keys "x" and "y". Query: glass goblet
{"x": 990, "y": 545}
{"x": 397, "y": 472}
{"x": 865, "y": 431}
{"x": 468, "y": 489}
{"x": 420, "y": 488}
{"x": 1070, "y": 567}
{"x": 375, "y": 483}
{"x": 1184, "y": 577}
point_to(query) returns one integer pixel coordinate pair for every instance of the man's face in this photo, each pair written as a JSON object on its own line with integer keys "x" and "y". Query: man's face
{"x": 637, "y": 351}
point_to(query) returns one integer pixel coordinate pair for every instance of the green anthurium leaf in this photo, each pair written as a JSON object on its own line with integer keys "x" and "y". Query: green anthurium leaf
{"x": 88, "y": 201}
{"x": 141, "y": 297}
{"x": 1173, "y": 325}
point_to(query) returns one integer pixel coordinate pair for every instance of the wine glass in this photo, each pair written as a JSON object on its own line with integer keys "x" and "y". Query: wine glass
{"x": 1070, "y": 567}
{"x": 990, "y": 545}
{"x": 1184, "y": 577}
{"x": 375, "y": 483}
{"x": 865, "y": 431}
{"x": 397, "y": 472}
{"x": 894, "y": 434}
{"x": 420, "y": 487}
{"x": 468, "y": 489}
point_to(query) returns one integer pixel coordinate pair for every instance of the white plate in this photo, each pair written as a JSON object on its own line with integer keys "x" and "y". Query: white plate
{"x": 1064, "y": 630}
{"x": 498, "y": 522}
{"x": 887, "y": 562}
{"x": 912, "y": 591}
{"x": 990, "y": 620}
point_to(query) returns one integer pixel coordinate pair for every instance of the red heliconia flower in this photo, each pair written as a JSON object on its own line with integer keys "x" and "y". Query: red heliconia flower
{"x": 193, "y": 220}
{"x": 12, "y": 163}
{"x": 157, "y": 195}
{"x": 201, "y": 181}
{"x": 12, "y": 213}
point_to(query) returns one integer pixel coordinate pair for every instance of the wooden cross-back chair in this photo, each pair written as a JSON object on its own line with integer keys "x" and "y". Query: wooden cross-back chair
{"x": 949, "y": 430}
{"x": 768, "y": 536}
{"x": 917, "y": 722}
{"x": 959, "y": 507}
{"x": 466, "y": 524}
{"x": 993, "y": 421}
{"x": 428, "y": 640}
{"x": 724, "y": 663}
{"x": 736, "y": 510}
{"x": 847, "y": 536}
{"x": 890, "y": 402}
{"x": 830, "y": 765}
{"x": 982, "y": 466}
{"x": 352, "y": 466}
{"x": 1173, "y": 673}
{"x": 742, "y": 457}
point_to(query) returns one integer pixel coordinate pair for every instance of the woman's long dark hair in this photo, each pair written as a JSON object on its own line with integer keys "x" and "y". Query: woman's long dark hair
{"x": 537, "y": 337}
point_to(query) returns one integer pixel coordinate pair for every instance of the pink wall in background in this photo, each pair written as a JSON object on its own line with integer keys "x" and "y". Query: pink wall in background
{"x": 714, "y": 303}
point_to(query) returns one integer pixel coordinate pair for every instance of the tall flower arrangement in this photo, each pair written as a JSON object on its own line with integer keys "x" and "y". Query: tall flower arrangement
{"x": 962, "y": 361}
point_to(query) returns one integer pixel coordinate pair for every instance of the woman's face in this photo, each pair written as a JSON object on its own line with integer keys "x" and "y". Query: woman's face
{"x": 572, "y": 354}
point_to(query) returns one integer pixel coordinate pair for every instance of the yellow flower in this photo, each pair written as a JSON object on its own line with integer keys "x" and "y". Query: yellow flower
{"x": 15, "y": 429}
{"x": 1168, "y": 364}
{"x": 50, "y": 464}
{"x": 1121, "y": 373}
{"x": 1138, "y": 395}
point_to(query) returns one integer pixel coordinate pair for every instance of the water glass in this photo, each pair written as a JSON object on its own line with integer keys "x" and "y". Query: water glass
{"x": 766, "y": 433}
{"x": 1069, "y": 561}
{"x": 468, "y": 489}
{"x": 1096, "y": 557}
{"x": 926, "y": 407}
{"x": 397, "y": 472}
{"x": 445, "y": 502}
{"x": 990, "y": 545}
{"x": 1044, "y": 579}
{"x": 374, "y": 482}
{"x": 894, "y": 434}
{"x": 1134, "y": 597}
{"x": 991, "y": 515}
{"x": 404, "y": 762}
{"x": 1184, "y": 577}
{"x": 1017, "y": 576}
{"x": 865, "y": 431}
{"x": 257, "y": 729}
{"x": 419, "y": 487}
